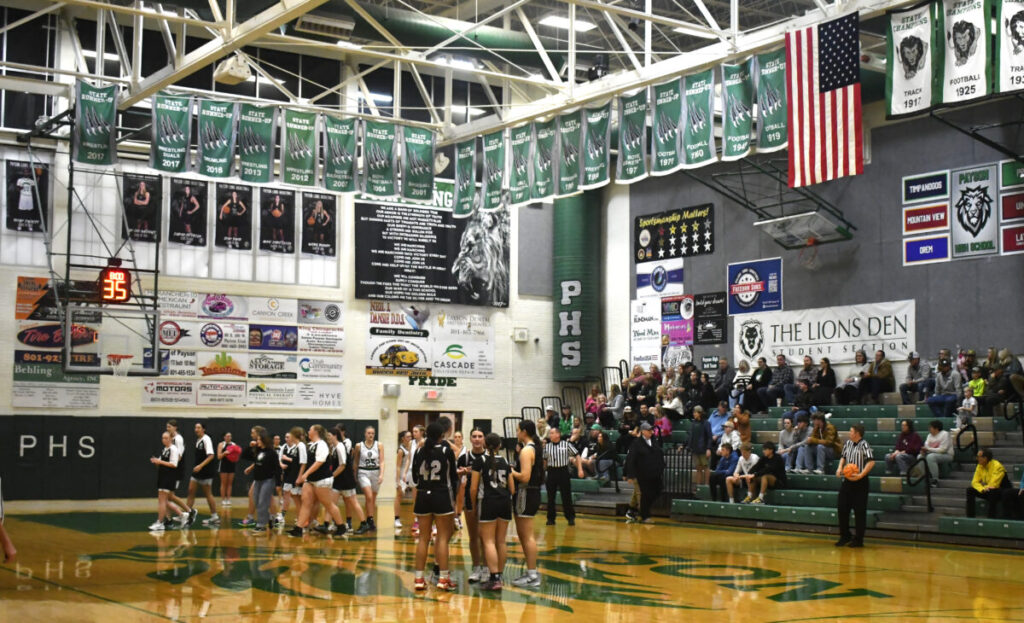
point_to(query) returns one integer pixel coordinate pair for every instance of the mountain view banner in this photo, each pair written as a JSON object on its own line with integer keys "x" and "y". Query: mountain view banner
{"x": 298, "y": 151}
{"x": 570, "y": 144}
{"x": 1009, "y": 46}
{"x": 596, "y": 156}
{"x": 699, "y": 112}
{"x": 909, "y": 68}
{"x": 379, "y": 159}
{"x": 171, "y": 131}
{"x": 737, "y": 107}
{"x": 545, "y": 150}
{"x": 667, "y": 146}
{"x": 95, "y": 119}
{"x": 417, "y": 164}
{"x": 256, "y": 128}
{"x": 966, "y": 70}
{"x": 465, "y": 178}
{"x": 771, "y": 101}
{"x": 519, "y": 140}
{"x": 631, "y": 165}
{"x": 216, "y": 142}
{"x": 494, "y": 169}
{"x": 340, "y": 154}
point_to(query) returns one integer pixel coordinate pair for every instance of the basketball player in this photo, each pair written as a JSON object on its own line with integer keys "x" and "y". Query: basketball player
{"x": 491, "y": 490}
{"x": 231, "y": 213}
{"x": 202, "y": 475}
{"x": 402, "y": 462}
{"x": 188, "y": 205}
{"x": 529, "y": 476}
{"x": 418, "y": 433}
{"x": 345, "y": 481}
{"x": 293, "y": 463}
{"x": 369, "y": 471}
{"x": 321, "y": 221}
{"x": 26, "y": 198}
{"x": 465, "y": 464}
{"x": 316, "y": 483}
{"x": 166, "y": 479}
{"x": 179, "y": 442}
{"x": 436, "y": 477}
{"x": 140, "y": 201}
{"x": 276, "y": 219}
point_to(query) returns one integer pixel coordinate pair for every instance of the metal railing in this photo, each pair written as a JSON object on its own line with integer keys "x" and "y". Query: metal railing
{"x": 677, "y": 479}
{"x": 927, "y": 478}
{"x": 974, "y": 439}
{"x": 1015, "y": 411}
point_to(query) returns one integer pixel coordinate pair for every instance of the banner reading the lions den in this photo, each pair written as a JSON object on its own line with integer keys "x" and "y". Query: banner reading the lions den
{"x": 172, "y": 128}
{"x": 966, "y": 67}
{"x": 465, "y": 178}
{"x": 737, "y": 104}
{"x": 216, "y": 144}
{"x": 544, "y": 152}
{"x": 771, "y": 101}
{"x": 519, "y": 140}
{"x": 667, "y": 146}
{"x": 699, "y": 112}
{"x": 95, "y": 119}
{"x": 340, "y": 154}
{"x": 494, "y": 169}
{"x": 256, "y": 128}
{"x": 754, "y": 286}
{"x": 570, "y": 146}
{"x": 380, "y": 159}
{"x": 1009, "y": 46}
{"x": 298, "y": 148}
{"x": 974, "y": 223}
{"x": 417, "y": 164}
{"x": 597, "y": 137}
{"x": 833, "y": 332}
{"x": 910, "y": 74}
{"x": 631, "y": 164}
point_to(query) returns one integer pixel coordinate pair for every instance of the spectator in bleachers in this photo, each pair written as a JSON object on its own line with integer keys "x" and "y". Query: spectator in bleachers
{"x": 614, "y": 409}
{"x": 908, "y": 446}
{"x": 997, "y": 391}
{"x": 723, "y": 382}
{"x": 645, "y": 465}
{"x": 944, "y": 353}
{"x": 551, "y": 416}
{"x": 744, "y": 471}
{"x": 947, "y": 390}
{"x": 761, "y": 377}
{"x": 682, "y": 376}
{"x": 822, "y": 446}
{"x": 717, "y": 419}
{"x": 782, "y": 377}
{"x": 791, "y": 438}
{"x": 542, "y": 427}
{"x": 598, "y": 456}
{"x": 591, "y": 402}
{"x": 668, "y": 378}
{"x": 741, "y": 419}
{"x": 966, "y": 364}
{"x": 918, "y": 379}
{"x": 967, "y": 410}
{"x": 692, "y": 394}
{"x": 580, "y": 434}
{"x": 849, "y": 392}
{"x": 662, "y": 425}
{"x": 701, "y": 444}
{"x": 672, "y": 405}
{"x": 566, "y": 420}
{"x": 590, "y": 417}
{"x": 1013, "y": 502}
{"x": 824, "y": 383}
{"x": 802, "y": 398}
{"x": 654, "y": 372}
{"x": 769, "y": 473}
{"x": 629, "y": 429}
{"x": 937, "y": 449}
{"x": 645, "y": 415}
{"x": 977, "y": 382}
{"x": 854, "y": 489}
{"x": 879, "y": 379}
{"x": 805, "y": 378}
{"x": 989, "y": 481}
{"x": 991, "y": 361}
{"x": 708, "y": 394}
{"x": 727, "y": 459}
{"x": 1010, "y": 364}
{"x": 729, "y": 434}
{"x": 740, "y": 384}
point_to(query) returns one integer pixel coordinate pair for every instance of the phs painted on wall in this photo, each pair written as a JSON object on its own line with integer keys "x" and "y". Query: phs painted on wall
{"x": 576, "y": 287}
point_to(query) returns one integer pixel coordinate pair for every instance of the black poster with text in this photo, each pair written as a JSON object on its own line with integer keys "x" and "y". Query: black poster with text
{"x": 28, "y": 195}
{"x": 710, "y": 318}
{"x": 234, "y": 216}
{"x": 685, "y": 232}
{"x": 187, "y": 224}
{"x": 277, "y": 220}
{"x": 319, "y": 224}
{"x": 142, "y": 206}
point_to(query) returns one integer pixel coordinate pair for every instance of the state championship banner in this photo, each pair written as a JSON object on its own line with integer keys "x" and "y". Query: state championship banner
{"x": 380, "y": 160}
{"x": 974, "y": 225}
{"x": 966, "y": 68}
{"x": 171, "y": 133}
{"x": 216, "y": 144}
{"x": 544, "y": 152}
{"x": 631, "y": 164}
{"x": 494, "y": 169}
{"x": 910, "y": 68}
{"x": 645, "y": 332}
{"x": 340, "y": 170}
{"x": 417, "y": 164}
{"x": 298, "y": 148}
{"x": 755, "y": 286}
{"x": 737, "y": 107}
{"x": 833, "y": 332}
{"x": 465, "y": 178}
{"x": 596, "y": 156}
{"x": 519, "y": 141}
{"x": 1009, "y": 46}
{"x": 699, "y": 112}
{"x": 95, "y": 119}
{"x": 667, "y": 146}
{"x": 257, "y": 126}
{"x": 570, "y": 145}
{"x": 771, "y": 101}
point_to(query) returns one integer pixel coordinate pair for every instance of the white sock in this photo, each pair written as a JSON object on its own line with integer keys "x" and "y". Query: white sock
{"x": 532, "y": 573}
{"x": 732, "y": 500}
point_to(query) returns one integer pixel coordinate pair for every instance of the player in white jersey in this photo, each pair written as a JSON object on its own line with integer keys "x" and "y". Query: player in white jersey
{"x": 369, "y": 459}
{"x": 402, "y": 463}
{"x": 178, "y": 442}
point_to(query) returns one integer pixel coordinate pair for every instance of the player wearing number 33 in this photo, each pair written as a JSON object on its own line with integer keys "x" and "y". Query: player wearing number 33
{"x": 435, "y": 474}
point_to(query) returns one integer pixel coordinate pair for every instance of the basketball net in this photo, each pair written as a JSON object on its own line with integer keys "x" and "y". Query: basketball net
{"x": 119, "y": 364}
{"x": 808, "y": 257}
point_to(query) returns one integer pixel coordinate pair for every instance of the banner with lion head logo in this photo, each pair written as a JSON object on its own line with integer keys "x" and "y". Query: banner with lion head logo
{"x": 909, "y": 65}
{"x": 966, "y": 68}
{"x": 974, "y": 219}
{"x": 1009, "y": 46}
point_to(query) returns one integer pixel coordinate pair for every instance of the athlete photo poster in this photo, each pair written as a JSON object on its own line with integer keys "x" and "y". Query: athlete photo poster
{"x": 277, "y": 220}
{"x": 234, "y": 216}
{"x": 141, "y": 196}
{"x": 187, "y": 220}
{"x": 319, "y": 226}
{"x": 28, "y": 195}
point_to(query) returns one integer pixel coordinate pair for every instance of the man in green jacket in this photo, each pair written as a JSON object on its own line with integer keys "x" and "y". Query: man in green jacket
{"x": 822, "y": 446}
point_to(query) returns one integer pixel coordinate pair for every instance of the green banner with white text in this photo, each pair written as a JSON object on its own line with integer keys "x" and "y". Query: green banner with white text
{"x": 95, "y": 120}
{"x": 216, "y": 144}
{"x": 570, "y": 144}
{"x": 519, "y": 140}
{"x": 545, "y": 150}
{"x": 699, "y": 112}
{"x": 298, "y": 151}
{"x": 494, "y": 169}
{"x": 597, "y": 130}
{"x": 667, "y": 146}
{"x": 340, "y": 154}
{"x": 737, "y": 104}
{"x": 380, "y": 159}
{"x": 631, "y": 165}
{"x": 465, "y": 178}
{"x": 172, "y": 129}
{"x": 256, "y": 128}
{"x": 771, "y": 101}
{"x": 417, "y": 164}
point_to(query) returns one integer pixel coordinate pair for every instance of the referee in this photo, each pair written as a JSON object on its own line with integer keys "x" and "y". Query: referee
{"x": 853, "y": 492}
{"x": 559, "y": 456}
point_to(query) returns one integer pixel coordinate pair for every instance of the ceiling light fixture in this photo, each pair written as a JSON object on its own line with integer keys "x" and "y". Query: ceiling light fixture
{"x": 562, "y": 22}
{"x": 380, "y": 98}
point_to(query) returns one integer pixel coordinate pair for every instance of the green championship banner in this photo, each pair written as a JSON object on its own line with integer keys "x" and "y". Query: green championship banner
{"x": 667, "y": 146}
{"x": 596, "y": 138}
{"x": 216, "y": 144}
{"x": 494, "y": 169}
{"x": 417, "y": 164}
{"x": 340, "y": 154}
{"x": 1009, "y": 46}
{"x": 519, "y": 140}
{"x": 545, "y": 149}
{"x": 771, "y": 101}
{"x": 909, "y": 68}
{"x": 172, "y": 129}
{"x": 737, "y": 104}
{"x": 570, "y": 144}
{"x": 95, "y": 119}
{"x": 298, "y": 153}
{"x": 631, "y": 165}
{"x": 465, "y": 178}
{"x": 966, "y": 69}
{"x": 699, "y": 111}
{"x": 256, "y": 128}
{"x": 380, "y": 160}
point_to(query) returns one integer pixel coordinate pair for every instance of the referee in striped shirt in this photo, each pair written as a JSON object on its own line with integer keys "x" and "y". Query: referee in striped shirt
{"x": 853, "y": 492}
{"x": 559, "y": 456}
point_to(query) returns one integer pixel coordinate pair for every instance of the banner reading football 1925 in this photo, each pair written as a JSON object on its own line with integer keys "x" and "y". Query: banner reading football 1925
{"x": 966, "y": 70}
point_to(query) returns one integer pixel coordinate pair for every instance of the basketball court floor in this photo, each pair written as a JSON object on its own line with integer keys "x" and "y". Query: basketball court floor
{"x": 104, "y": 566}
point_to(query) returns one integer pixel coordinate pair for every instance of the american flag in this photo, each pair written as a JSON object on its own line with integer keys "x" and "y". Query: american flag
{"x": 823, "y": 89}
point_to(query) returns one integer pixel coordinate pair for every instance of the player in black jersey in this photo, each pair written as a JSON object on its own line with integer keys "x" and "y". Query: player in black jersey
{"x": 436, "y": 476}
{"x": 491, "y": 490}
{"x": 202, "y": 476}
{"x": 293, "y": 463}
{"x": 344, "y": 485}
{"x": 465, "y": 501}
{"x": 166, "y": 479}
{"x": 316, "y": 482}
{"x": 529, "y": 476}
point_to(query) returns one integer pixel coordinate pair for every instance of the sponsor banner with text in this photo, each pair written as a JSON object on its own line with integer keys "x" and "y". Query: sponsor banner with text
{"x": 645, "y": 332}
{"x": 755, "y": 286}
{"x": 710, "y": 318}
{"x": 220, "y": 393}
{"x": 204, "y": 334}
{"x": 273, "y": 309}
{"x": 168, "y": 394}
{"x": 318, "y": 368}
{"x": 273, "y": 366}
{"x": 322, "y": 340}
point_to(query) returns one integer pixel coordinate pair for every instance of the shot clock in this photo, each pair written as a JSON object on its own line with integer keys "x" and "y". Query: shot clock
{"x": 115, "y": 283}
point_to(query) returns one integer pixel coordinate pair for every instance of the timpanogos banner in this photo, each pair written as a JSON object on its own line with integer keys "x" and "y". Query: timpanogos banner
{"x": 737, "y": 107}
{"x": 545, "y": 150}
{"x": 417, "y": 164}
{"x": 494, "y": 169}
{"x": 380, "y": 159}
{"x": 966, "y": 67}
{"x": 597, "y": 137}
{"x": 570, "y": 144}
{"x": 699, "y": 112}
{"x": 465, "y": 178}
{"x": 298, "y": 154}
{"x": 172, "y": 128}
{"x": 519, "y": 165}
{"x": 833, "y": 332}
{"x": 771, "y": 101}
{"x": 1009, "y": 46}
{"x": 910, "y": 72}
{"x": 631, "y": 165}
{"x": 95, "y": 119}
{"x": 340, "y": 154}
{"x": 216, "y": 141}
{"x": 256, "y": 128}
{"x": 667, "y": 146}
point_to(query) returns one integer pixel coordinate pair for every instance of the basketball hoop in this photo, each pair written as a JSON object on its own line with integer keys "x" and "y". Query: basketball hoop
{"x": 119, "y": 364}
{"x": 808, "y": 257}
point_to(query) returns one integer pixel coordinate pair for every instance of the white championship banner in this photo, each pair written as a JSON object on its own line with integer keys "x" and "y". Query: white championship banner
{"x": 833, "y": 332}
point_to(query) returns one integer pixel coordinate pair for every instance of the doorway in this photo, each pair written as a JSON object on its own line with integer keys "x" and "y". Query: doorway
{"x": 425, "y": 418}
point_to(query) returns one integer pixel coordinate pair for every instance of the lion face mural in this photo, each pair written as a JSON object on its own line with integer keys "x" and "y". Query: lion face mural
{"x": 964, "y": 40}
{"x": 751, "y": 338}
{"x": 482, "y": 266}
{"x": 1015, "y": 28}
{"x": 974, "y": 209}
{"x": 912, "y": 53}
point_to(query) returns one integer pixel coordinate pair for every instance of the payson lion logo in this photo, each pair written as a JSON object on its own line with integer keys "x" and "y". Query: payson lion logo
{"x": 751, "y": 338}
{"x": 974, "y": 209}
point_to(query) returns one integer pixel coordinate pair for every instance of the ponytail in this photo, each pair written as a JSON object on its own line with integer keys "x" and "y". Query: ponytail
{"x": 434, "y": 433}
{"x": 530, "y": 428}
{"x": 493, "y": 444}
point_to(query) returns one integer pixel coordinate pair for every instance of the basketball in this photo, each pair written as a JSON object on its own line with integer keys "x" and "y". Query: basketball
{"x": 233, "y": 453}
{"x": 276, "y": 212}
{"x": 226, "y": 210}
{"x": 851, "y": 469}
{"x": 310, "y": 221}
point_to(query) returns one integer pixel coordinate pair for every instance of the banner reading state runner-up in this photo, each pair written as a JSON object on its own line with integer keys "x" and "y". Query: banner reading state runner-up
{"x": 171, "y": 131}
{"x": 256, "y": 128}
{"x": 545, "y": 150}
{"x": 417, "y": 164}
{"x": 465, "y": 178}
{"x": 910, "y": 69}
{"x": 737, "y": 104}
{"x": 494, "y": 169}
{"x": 216, "y": 140}
{"x": 631, "y": 165}
{"x": 570, "y": 145}
{"x": 597, "y": 136}
{"x": 667, "y": 146}
{"x": 699, "y": 112}
{"x": 95, "y": 119}
{"x": 966, "y": 68}
{"x": 771, "y": 101}
{"x": 340, "y": 154}
{"x": 519, "y": 165}
{"x": 379, "y": 159}
{"x": 298, "y": 153}
{"x": 1009, "y": 46}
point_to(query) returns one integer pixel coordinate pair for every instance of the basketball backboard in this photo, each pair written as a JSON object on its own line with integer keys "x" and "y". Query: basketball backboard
{"x": 797, "y": 231}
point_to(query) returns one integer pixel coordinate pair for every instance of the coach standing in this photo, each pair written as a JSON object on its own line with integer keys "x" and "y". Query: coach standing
{"x": 853, "y": 492}
{"x": 644, "y": 466}
{"x": 559, "y": 456}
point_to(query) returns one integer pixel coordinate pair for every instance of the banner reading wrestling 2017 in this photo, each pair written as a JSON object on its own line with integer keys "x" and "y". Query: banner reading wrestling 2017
{"x": 95, "y": 118}
{"x": 171, "y": 131}
{"x": 413, "y": 252}
{"x": 754, "y": 286}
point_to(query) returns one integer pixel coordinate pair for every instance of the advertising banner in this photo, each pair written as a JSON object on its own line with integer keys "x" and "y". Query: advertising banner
{"x": 257, "y": 126}
{"x": 631, "y": 164}
{"x": 462, "y": 345}
{"x": 597, "y": 138}
{"x": 645, "y": 332}
{"x": 494, "y": 169}
{"x": 272, "y": 366}
{"x": 299, "y": 149}
{"x": 755, "y": 286}
{"x": 380, "y": 159}
{"x": 910, "y": 67}
{"x": 519, "y": 141}
{"x": 699, "y": 112}
{"x": 187, "y": 224}
{"x": 544, "y": 153}
{"x": 216, "y": 144}
{"x": 171, "y": 133}
{"x": 668, "y": 128}
{"x": 223, "y": 306}
{"x": 168, "y": 394}
{"x": 569, "y": 160}
{"x": 676, "y": 330}
{"x": 186, "y": 334}
{"x": 220, "y": 393}
{"x": 417, "y": 164}
{"x": 771, "y": 101}
{"x": 319, "y": 368}
{"x": 465, "y": 178}
{"x": 659, "y": 278}
{"x": 737, "y": 107}
{"x": 398, "y": 343}
{"x": 710, "y": 318}
{"x": 95, "y": 120}
{"x": 183, "y": 363}
{"x": 322, "y": 339}
{"x": 320, "y": 312}
{"x": 966, "y": 68}
{"x": 273, "y": 337}
{"x": 340, "y": 166}
{"x": 28, "y": 195}
{"x": 273, "y": 309}
{"x": 39, "y": 380}
{"x": 974, "y": 224}
{"x": 222, "y": 364}
{"x": 233, "y": 228}
{"x": 141, "y": 198}
{"x": 277, "y": 220}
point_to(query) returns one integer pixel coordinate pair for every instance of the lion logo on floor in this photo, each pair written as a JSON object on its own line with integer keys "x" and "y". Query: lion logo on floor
{"x": 963, "y": 39}
{"x": 751, "y": 338}
{"x": 973, "y": 209}
{"x": 482, "y": 267}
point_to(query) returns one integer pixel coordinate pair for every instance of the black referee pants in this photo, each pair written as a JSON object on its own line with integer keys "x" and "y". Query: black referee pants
{"x": 558, "y": 481}
{"x": 853, "y": 495}
{"x": 650, "y": 489}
